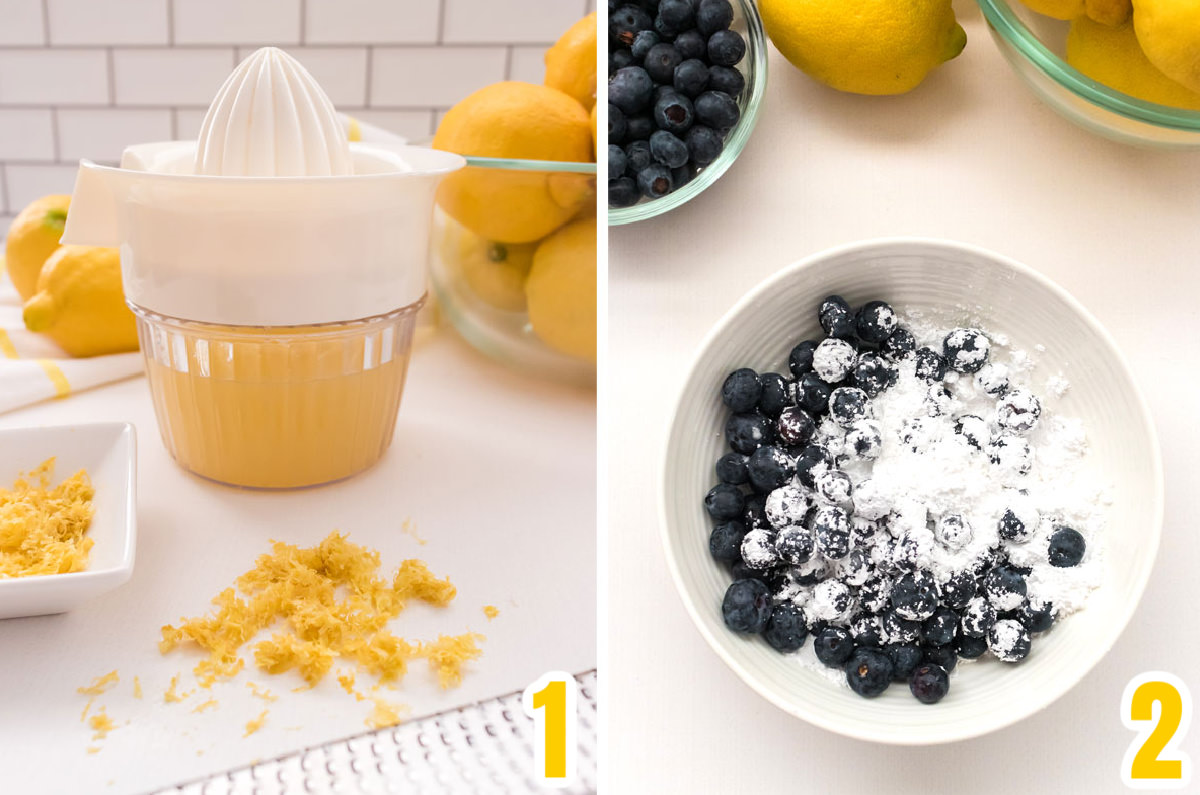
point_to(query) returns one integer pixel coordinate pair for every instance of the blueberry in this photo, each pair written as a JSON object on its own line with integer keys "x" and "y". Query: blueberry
{"x": 810, "y": 463}
{"x": 674, "y": 114}
{"x": 954, "y": 532}
{"x": 872, "y": 594}
{"x": 958, "y": 590}
{"x": 992, "y": 378}
{"x": 758, "y": 549}
{"x": 755, "y": 514}
{"x": 941, "y": 627}
{"x": 1009, "y": 640}
{"x": 741, "y": 390}
{"x": 690, "y": 77}
{"x": 630, "y": 89}
{"x": 661, "y": 91}
{"x": 873, "y": 373}
{"x": 786, "y": 629}
{"x": 848, "y": 405}
{"x": 864, "y": 439}
{"x": 898, "y": 629}
{"x": 930, "y": 683}
{"x": 704, "y": 144}
{"x": 682, "y": 175}
{"x": 869, "y": 672}
{"x": 800, "y": 360}
{"x": 642, "y": 43}
{"x": 713, "y": 15}
{"x": 831, "y": 529}
{"x": 794, "y": 545}
{"x": 775, "y": 394}
{"x": 626, "y": 22}
{"x": 834, "y": 646}
{"x": 747, "y": 606}
{"x": 833, "y": 360}
{"x": 944, "y": 656}
{"x": 725, "y": 541}
{"x": 639, "y": 128}
{"x": 836, "y": 317}
{"x": 748, "y": 432}
{"x": 726, "y": 79}
{"x": 1011, "y": 453}
{"x": 616, "y": 162}
{"x": 866, "y": 630}
{"x": 899, "y": 344}
{"x": 1018, "y": 411}
{"x": 692, "y": 45}
{"x": 875, "y": 322}
{"x": 622, "y": 192}
{"x": 1066, "y": 547}
{"x": 795, "y": 426}
{"x": 724, "y": 501}
{"x": 833, "y": 486}
{"x": 914, "y": 596}
{"x": 966, "y": 349}
{"x": 668, "y": 149}
{"x": 726, "y": 48}
{"x": 674, "y": 17}
{"x": 1037, "y": 615}
{"x": 619, "y": 60}
{"x": 616, "y": 124}
{"x": 786, "y": 506}
{"x": 769, "y": 468}
{"x": 654, "y": 181}
{"x": 731, "y": 468}
{"x": 930, "y": 365}
{"x": 1019, "y": 521}
{"x": 973, "y": 430}
{"x": 661, "y": 61}
{"x": 905, "y": 658}
{"x": 812, "y": 394}
{"x": 637, "y": 156}
{"x": 977, "y": 618}
{"x": 969, "y": 648}
{"x": 717, "y": 110}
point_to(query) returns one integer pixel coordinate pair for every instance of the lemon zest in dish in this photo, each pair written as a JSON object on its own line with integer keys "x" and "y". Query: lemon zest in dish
{"x": 43, "y": 530}
{"x": 263, "y": 693}
{"x": 100, "y": 684}
{"x": 101, "y": 723}
{"x": 491, "y": 611}
{"x": 212, "y": 702}
{"x": 172, "y": 696}
{"x": 137, "y": 687}
{"x": 447, "y": 654}
{"x": 257, "y": 723}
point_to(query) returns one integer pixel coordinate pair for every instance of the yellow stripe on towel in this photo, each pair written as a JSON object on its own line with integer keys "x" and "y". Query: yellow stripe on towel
{"x": 6, "y": 346}
{"x": 61, "y": 387}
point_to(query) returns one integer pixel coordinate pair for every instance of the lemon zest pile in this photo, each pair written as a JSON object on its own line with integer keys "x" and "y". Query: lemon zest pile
{"x": 100, "y": 684}
{"x": 346, "y": 680}
{"x": 101, "y": 723}
{"x": 447, "y": 655}
{"x": 42, "y": 529}
{"x": 263, "y": 693}
{"x": 256, "y": 724}
{"x": 491, "y": 611}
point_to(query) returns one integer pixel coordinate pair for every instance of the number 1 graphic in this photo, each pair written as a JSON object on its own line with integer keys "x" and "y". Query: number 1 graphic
{"x": 552, "y": 702}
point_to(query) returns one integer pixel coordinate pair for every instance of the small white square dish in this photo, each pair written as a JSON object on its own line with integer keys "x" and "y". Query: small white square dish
{"x": 108, "y": 451}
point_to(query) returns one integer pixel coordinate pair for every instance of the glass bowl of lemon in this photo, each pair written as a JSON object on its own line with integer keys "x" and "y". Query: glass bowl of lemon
{"x": 513, "y": 263}
{"x": 1097, "y": 70}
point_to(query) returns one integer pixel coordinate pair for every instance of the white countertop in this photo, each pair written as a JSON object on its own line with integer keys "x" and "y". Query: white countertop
{"x": 495, "y": 472}
{"x": 970, "y": 155}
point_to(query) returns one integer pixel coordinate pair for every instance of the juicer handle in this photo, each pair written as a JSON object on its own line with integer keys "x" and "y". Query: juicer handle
{"x": 92, "y": 216}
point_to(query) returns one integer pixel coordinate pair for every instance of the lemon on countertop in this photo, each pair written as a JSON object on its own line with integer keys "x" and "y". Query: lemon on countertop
{"x": 513, "y": 120}
{"x": 32, "y": 238}
{"x": 1112, "y": 56}
{"x": 561, "y": 290}
{"x": 494, "y": 272}
{"x": 872, "y": 47}
{"x": 1169, "y": 32}
{"x": 571, "y": 62}
{"x": 79, "y": 302}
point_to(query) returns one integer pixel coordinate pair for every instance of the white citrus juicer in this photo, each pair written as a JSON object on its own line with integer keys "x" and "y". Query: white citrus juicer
{"x": 275, "y": 270}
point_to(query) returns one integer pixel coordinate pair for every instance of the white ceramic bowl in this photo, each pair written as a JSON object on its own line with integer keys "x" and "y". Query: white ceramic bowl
{"x": 108, "y": 452}
{"x": 1006, "y": 297}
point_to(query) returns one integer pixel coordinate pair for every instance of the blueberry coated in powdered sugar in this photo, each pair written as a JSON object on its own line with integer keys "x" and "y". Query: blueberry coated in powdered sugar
{"x": 1020, "y": 519}
{"x": 898, "y": 629}
{"x": 870, "y": 502}
{"x": 864, "y": 439}
{"x": 795, "y": 426}
{"x": 748, "y": 432}
{"x": 873, "y": 593}
{"x": 856, "y": 568}
{"x": 899, "y": 344}
{"x": 914, "y": 596}
{"x": 977, "y": 617}
{"x": 758, "y": 549}
{"x": 1004, "y": 588}
{"x": 831, "y": 529}
{"x": 875, "y": 322}
{"x": 786, "y": 506}
{"x": 873, "y": 373}
{"x": 953, "y": 531}
{"x": 929, "y": 364}
{"x": 833, "y": 486}
{"x": 831, "y": 599}
{"x": 1037, "y": 614}
{"x": 992, "y": 379}
{"x": 731, "y": 468}
{"x": 1066, "y": 547}
{"x": 959, "y": 590}
{"x": 938, "y": 400}
{"x": 866, "y": 630}
{"x": 1009, "y": 640}
{"x": 1018, "y": 411}
{"x": 1011, "y": 454}
{"x": 848, "y": 405}
{"x": 786, "y": 628}
{"x": 755, "y": 515}
{"x": 794, "y": 545}
{"x": 776, "y": 394}
{"x": 941, "y": 627}
{"x": 836, "y": 317}
{"x": 769, "y": 468}
{"x": 973, "y": 430}
{"x": 812, "y": 460}
{"x": 833, "y": 360}
{"x": 966, "y": 349}
{"x": 918, "y": 433}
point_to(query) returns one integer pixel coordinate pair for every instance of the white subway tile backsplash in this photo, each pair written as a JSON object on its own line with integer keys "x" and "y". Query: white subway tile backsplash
{"x": 103, "y": 133}
{"x": 170, "y": 77}
{"x": 415, "y": 125}
{"x": 432, "y": 76}
{"x": 341, "y": 71}
{"x": 53, "y": 77}
{"x": 371, "y": 21}
{"x": 188, "y": 122}
{"x": 21, "y": 22}
{"x": 527, "y": 64}
{"x": 91, "y": 22}
{"x": 508, "y": 21}
{"x": 26, "y": 134}
{"x": 29, "y": 182}
{"x": 237, "y": 21}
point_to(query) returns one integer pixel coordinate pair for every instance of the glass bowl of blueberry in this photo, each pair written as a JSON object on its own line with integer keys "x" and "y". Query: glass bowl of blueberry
{"x": 686, "y": 78}
{"x": 911, "y": 492}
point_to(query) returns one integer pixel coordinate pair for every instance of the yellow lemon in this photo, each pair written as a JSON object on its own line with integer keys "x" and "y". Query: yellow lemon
{"x": 1058, "y": 9}
{"x": 1169, "y": 32}
{"x": 571, "y": 62}
{"x": 79, "y": 302}
{"x": 495, "y": 272}
{"x": 867, "y": 47}
{"x": 1109, "y": 12}
{"x": 514, "y": 120}
{"x": 32, "y": 238}
{"x": 595, "y": 146}
{"x": 561, "y": 290}
{"x": 1112, "y": 56}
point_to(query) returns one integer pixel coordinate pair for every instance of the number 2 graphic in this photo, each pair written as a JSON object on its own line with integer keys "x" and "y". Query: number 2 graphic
{"x": 1158, "y": 706}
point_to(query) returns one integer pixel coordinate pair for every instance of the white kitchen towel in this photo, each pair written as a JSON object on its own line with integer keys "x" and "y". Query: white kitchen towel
{"x": 33, "y": 368}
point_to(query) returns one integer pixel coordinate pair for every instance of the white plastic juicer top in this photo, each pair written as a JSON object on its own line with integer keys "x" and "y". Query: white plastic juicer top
{"x": 273, "y": 218}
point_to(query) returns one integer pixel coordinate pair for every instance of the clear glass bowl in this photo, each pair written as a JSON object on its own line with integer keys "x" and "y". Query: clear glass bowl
{"x": 1035, "y": 46}
{"x": 277, "y": 407}
{"x": 490, "y": 219}
{"x": 754, "y": 68}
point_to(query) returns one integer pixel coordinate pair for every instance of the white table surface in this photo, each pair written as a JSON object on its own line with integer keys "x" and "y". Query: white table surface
{"x": 971, "y": 155}
{"x": 496, "y": 473}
